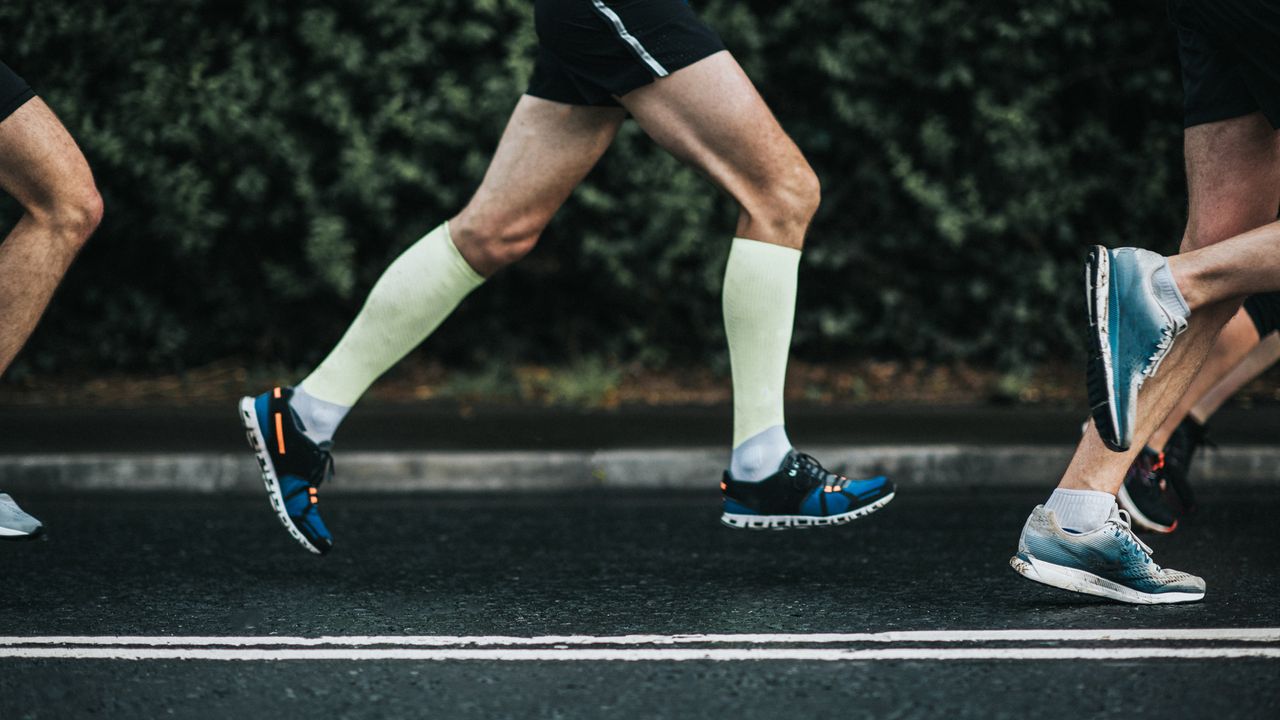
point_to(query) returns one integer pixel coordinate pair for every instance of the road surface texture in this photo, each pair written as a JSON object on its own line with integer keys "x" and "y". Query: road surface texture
{"x": 141, "y": 606}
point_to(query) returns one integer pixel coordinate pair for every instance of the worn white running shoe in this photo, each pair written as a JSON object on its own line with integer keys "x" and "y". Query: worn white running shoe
{"x": 1135, "y": 312}
{"x": 1110, "y": 562}
{"x": 16, "y": 524}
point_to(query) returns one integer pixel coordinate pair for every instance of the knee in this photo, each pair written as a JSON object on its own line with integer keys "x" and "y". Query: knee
{"x": 73, "y": 215}
{"x": 786, "y": 207}
{"x": 1231, "y": 217}
{"x": 490, "y": 244}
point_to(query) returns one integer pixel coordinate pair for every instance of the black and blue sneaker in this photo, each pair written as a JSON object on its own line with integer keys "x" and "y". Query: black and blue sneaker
{"x": 801, "y": 494}
{"x": 293, "y": 467}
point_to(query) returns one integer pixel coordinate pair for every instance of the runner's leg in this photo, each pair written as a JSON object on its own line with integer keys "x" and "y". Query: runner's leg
{"x": 1235, "y": 343}
{"x": 1229, "y": 193}
{"x": 545, "y": 151}
{"x": 1240, "y": 157}
{"x": 1263, "y": 355}
{"x": 710, "y": 116}
{"x": 41, "y": 167}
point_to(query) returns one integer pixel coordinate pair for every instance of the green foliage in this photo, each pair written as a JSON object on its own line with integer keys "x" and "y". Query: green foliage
{"x": 262, "y": 162}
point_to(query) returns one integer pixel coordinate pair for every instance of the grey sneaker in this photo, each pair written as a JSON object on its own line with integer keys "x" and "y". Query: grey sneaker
{"x": 16, "y": 524}
{"x": 1135, "y": 312}
{"x": 1110, "y": 562}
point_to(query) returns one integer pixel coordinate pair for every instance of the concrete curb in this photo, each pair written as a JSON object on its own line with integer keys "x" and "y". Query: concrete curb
{"x": 691, "y": 469}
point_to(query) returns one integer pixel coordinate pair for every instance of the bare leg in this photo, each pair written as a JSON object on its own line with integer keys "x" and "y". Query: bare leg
{"x": 1227, "y": 162}
{"x": 1237, "y": 339}
{"x": 41, "y": 167}
{"x": 1230, "y": 271}
{"x": 1263, "y": 355}
{"x": 711, "y": 116}
{"x": 545, "y": 151}
{"x": 1231, "y": 192}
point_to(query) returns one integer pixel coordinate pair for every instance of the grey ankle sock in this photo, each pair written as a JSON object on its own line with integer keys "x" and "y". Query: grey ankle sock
{"x": 759, "y": 456}
{"x": 320, "y": 418}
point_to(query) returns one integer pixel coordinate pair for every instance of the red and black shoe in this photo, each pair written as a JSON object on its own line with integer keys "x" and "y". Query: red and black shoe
{"x": 1156, "y": 490}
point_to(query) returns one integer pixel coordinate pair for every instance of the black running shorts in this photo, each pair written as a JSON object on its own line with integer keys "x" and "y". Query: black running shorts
{"x": 592, "y": 51}
{"x": 14, "y": 91}
{"x": 1264, "y": 311}
{"x": 1230, "y": 53}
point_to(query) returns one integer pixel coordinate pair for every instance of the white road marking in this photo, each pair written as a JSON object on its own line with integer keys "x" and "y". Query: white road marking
{"x": 643, "y": 654}
{"x": 1260, "y": 635}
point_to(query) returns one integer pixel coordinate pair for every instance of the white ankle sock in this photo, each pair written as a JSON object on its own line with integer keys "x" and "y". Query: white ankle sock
{"x": 760, "y": 456}
{"x": 320, "y": 418}
{"x": 1081, "y": 510}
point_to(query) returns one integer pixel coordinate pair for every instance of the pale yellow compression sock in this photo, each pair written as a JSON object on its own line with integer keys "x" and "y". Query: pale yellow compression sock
{"x": 415, "y": 294}
{"x": 759, "y": 309}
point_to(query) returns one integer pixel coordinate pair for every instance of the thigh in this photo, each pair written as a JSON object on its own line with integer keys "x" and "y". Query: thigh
{"x": 710, "y": 115}
{"x": 40, "y": 163}
{"x": 1233, "y": 178}
{"x": 545, "y": 151}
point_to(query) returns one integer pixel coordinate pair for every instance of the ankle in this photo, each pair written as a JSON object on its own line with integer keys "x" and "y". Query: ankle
{"x": 319, "y": 418}
{"x": 1081, "y": 511}
{"x": 760, "y": 455}
{"x": 1186, "y": 281}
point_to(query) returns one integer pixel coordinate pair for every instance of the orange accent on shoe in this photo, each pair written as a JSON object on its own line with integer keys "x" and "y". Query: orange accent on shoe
{"x": 280, "y": 432}
{"x": 723, "y": 486}
{"x": 314, "y": 499}
{"x": 313, "y": 490}
{"x": 1159, "y": 462}
{"x": 276, "y": 392}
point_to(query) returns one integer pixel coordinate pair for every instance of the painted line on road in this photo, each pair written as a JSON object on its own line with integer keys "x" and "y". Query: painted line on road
{"x": 643, "y": 654}
{"x": 1256, "y": 635}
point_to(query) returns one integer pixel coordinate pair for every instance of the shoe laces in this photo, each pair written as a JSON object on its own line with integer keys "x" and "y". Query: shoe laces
{"x": 1122, "y": 528}
{"x": 1168, "y": 332}
{"x": 808, "y": 466}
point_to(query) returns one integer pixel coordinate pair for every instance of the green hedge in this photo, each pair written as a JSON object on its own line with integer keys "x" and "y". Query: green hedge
{"x": 262, "y": 162}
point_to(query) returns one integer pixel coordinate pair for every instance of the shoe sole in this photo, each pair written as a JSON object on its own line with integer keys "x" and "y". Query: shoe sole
{"x": 11, "y": 535}
{"x": 1100, "y": 375}
{"x": 1087, "y": 583}
{"x": 249, "y": 417}
{"x": 799, "y": 522}
{"x": 1142, "y": 521}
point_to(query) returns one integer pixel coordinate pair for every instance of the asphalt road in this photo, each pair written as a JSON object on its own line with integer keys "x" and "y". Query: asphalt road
{"x": 603, "y": 565}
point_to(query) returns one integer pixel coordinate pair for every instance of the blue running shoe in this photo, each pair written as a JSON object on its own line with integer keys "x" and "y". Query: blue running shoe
{"x": 15, "y": 524}
{"x": 293, "y": 467}
{"x": 1110, "y": 562}
{"x": 801, "y": 494}
{"x": 1135, "y": 312}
